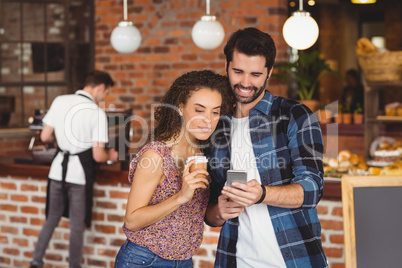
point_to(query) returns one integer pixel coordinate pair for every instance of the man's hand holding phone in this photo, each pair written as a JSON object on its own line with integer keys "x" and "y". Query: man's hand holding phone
{"x": 236, "y": 176}
{"x": 238, "y": 190}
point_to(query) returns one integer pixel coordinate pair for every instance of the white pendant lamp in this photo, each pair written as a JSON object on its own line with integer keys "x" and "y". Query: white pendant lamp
{"x": 207, "y": 33}
{"x": 125, "y": 38}
{"x": 300, "y": 31}
{"x": 364, "y": 1}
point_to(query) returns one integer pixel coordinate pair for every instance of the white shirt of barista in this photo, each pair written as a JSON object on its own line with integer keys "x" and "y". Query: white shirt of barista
{"x": 256, "y": 244}
{"x": 78, "y": 122}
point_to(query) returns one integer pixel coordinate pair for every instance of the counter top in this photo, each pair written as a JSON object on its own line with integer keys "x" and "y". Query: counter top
{"x": 103, "y": 175}
{"x": 112, "y": 175}
{"x": 16, "y": 132}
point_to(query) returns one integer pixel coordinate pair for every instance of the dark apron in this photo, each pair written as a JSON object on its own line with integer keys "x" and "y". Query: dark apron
{"x": 88, "y": 164}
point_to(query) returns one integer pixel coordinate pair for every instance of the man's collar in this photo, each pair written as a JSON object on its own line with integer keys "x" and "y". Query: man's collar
{"x": 82, "y": 92}
{"x": 265, "y": 104}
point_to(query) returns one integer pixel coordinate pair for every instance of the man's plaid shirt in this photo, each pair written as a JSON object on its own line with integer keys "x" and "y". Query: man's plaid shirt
{"x": 288, "y": 147}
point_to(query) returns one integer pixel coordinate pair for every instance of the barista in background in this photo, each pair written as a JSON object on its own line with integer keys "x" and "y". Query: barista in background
{"x": 80, "y": 128}
{"x": 353, "y": 92}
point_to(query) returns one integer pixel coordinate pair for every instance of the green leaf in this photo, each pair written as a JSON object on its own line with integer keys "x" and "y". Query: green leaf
{"x": 306, "y": 72}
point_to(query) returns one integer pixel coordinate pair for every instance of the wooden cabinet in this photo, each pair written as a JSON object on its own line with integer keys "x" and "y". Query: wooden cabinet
{"x": 374, "y": 118}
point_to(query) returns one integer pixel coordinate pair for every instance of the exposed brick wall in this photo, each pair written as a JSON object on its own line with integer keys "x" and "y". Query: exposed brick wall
{"x": 22, "y": 206}
{"x": 334, "y": 144}
{"x": 331, "y": 218}
{"x": 167, "y": 50}
{"x": 22, "y": 216}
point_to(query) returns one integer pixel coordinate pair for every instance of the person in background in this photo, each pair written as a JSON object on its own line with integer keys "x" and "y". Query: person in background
{"x": 166, "y": 205}
{"x": 353, "y": 92}
{"x": 270, "y": 221}
{"x": 80, "y": 129}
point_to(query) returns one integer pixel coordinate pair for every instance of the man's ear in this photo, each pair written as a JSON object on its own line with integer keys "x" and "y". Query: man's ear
{"x": 100, "y": 88}
{"x": 270, "y": 72}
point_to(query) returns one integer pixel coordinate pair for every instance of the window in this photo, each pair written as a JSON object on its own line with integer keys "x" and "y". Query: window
{"x": 46, "y": 49}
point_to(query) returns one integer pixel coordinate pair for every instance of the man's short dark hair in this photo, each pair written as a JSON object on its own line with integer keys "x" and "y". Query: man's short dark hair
{"x": 95, "y": 78}
{"x": 252, "y": 42}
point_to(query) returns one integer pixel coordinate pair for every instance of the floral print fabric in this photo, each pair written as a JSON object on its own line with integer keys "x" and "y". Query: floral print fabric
{"x": 178, "y": 235}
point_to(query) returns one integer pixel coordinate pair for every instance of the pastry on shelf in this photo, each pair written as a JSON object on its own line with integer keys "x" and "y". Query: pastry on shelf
{"x": 387, "y": 152}
{"x": 394, "y": 170}
{"x": 347, "y": 162}
{"x": 399, "y": 110}
{"x": 385, "y": 155}
{"x": 362, "y": 165}
{"x": 355, "y": 160}
{"x": 384, "y": 151}
{"x": 358, "y": 172}
{"x": 365, "y": 46}
{"x": 344, "y": 155}
{"x": 333, "y": 163}
{"x": 391, "y": 108}
{"x": 374, "y": 170}
{"x": 344, "y": 166}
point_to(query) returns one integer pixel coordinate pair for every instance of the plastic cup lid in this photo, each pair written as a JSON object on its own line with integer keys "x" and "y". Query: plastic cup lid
{"x": 198, "y": 159}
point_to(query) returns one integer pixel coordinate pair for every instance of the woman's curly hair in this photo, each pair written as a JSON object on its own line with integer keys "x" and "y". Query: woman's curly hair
{"x": 168, "y": 120}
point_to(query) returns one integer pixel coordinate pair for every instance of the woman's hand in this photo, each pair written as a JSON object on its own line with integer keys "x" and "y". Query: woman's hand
{"x": 191, "y": 182}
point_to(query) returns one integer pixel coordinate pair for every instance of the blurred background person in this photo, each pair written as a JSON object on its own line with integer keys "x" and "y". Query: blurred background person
{"x": 353, "y": 93}
{"x": 80, "y": 129}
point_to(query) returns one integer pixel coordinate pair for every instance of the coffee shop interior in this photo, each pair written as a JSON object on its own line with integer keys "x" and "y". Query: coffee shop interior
{"x": 47, "y": 47}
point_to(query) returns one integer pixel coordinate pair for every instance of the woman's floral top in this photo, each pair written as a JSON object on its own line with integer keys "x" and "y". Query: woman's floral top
{"x": 178, "y": 235}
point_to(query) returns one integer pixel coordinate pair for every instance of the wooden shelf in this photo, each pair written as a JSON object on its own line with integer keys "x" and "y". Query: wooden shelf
{"x": 379, "y": 85}
{"x": 373, "y": 122}
{"x": 344, "y": 130}
{"x": 384, "y": 118}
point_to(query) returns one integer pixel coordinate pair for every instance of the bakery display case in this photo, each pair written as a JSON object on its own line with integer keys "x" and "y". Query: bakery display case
{"x": 374, "y": 116}
{"x": 382, "y": 154}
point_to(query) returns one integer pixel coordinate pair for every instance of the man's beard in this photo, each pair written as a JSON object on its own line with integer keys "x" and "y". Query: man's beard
{"x": 245, "y": 100}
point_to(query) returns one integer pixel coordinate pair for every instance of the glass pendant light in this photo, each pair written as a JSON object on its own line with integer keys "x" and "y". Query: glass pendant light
{"x": 207, "y": 33}
{"x": 125, "y": 38}
{"x": 300, "y": 30}
{"x": 364, "y": 1}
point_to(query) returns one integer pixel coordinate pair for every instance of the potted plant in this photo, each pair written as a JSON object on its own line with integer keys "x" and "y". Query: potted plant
{"x": 358, "y": 114}
{"x": 346, "y": 114}
{"x": 325, "y": 114}
{"x": 304, "y": 75}
{"x": 338, "y": 114}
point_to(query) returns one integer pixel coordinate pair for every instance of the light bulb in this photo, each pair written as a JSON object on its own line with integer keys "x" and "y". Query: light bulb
{"x": 125, "y": 38}
{"x": 300, "y": 31}
{"x": 207, "y": 33}
{"x": 363, "y": 1}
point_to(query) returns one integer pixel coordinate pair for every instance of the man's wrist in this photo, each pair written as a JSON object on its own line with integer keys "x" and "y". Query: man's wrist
{"x": 264, "y": 193}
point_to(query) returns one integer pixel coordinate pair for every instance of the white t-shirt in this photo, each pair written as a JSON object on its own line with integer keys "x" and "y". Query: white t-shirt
{"x": 256, "y": 244}
{"x": 78, "y": 122}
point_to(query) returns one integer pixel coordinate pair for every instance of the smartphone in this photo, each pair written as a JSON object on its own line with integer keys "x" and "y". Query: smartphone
{"x": 236, "y": 176}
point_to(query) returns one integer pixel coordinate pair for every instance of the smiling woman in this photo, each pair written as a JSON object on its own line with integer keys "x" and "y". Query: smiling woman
{"x": 166, "y": 205}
